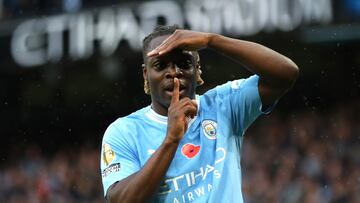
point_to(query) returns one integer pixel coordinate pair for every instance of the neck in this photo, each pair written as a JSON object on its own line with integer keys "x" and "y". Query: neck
{"x": 160, "y": 109}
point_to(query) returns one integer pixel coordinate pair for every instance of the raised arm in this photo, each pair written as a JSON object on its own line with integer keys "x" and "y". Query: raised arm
{"x": 277, "y": 73}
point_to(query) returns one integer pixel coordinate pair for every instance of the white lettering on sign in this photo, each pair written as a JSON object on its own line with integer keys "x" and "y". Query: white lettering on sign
{"x": 39, "y": 41}
{"x": 247, "y": 17}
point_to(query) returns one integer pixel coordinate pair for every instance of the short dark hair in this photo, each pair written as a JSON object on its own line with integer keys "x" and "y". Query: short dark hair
{"x": 159, "y": 30}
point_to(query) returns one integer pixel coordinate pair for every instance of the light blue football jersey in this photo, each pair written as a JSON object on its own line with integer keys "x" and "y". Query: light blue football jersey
{"x": 206, "y": 166}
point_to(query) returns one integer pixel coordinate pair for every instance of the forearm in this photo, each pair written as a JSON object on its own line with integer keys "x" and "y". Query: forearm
{"x": 268, "y": 64}
{"x": 141, "y": 186}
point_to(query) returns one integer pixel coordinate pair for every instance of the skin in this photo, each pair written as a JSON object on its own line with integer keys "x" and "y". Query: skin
{"x": 161, "y": 70}
{"x": 277, "y": 74}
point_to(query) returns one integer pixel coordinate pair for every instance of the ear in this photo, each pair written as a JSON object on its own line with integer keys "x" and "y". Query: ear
{"x": 197, "y": 58}
{"x": 197, "y": 65}
{"x": 144, "y": 71}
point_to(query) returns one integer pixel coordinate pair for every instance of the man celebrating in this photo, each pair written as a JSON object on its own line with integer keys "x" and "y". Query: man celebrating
{"x": 185, "y": 147}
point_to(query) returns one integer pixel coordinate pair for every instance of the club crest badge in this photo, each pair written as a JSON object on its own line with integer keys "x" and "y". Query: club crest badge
{"x": 209, "y": 129}
{"x": 108, "y": 154}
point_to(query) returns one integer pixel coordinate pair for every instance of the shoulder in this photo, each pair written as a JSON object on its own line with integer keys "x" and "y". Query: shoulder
{"x": 131, "y": 119}
{"x": 239, "y": 84}
{"x": 223, "y": 90}
{"x": 125, "y": 126}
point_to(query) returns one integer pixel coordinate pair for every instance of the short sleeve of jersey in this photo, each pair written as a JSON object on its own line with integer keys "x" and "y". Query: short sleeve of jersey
{"x": 242, "y": 102}
{"x": 118, "y": 156}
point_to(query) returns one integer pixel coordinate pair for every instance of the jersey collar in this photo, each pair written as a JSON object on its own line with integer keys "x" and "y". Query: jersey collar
{"x": 152, "y": 115}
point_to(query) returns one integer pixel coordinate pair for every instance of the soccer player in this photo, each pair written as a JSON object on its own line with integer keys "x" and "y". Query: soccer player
{"x": 185, "y": 147}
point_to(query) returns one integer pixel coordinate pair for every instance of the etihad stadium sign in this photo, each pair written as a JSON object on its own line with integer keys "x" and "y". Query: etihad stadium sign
{"x": 45, "y": 40}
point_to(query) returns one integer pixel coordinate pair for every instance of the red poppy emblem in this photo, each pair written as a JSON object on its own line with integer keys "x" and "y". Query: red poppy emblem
{"x": 190, "y": 150}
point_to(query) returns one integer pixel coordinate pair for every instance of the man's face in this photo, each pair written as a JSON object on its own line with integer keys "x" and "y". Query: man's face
{"x": 160, "y": 71}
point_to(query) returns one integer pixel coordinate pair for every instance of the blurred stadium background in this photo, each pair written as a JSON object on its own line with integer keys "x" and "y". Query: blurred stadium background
{"x": 68, "y": 68}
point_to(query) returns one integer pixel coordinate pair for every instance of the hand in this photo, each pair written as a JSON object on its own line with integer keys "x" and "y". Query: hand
{"x": 179, "y": 112}
{"x": 183, "y": 39}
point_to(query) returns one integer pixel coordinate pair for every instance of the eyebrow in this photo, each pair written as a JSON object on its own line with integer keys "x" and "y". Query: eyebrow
{"x": 152, "y": 60}
{"x": 183, "y": 53}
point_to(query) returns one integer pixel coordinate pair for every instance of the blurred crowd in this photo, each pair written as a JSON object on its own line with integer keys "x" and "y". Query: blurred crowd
{"x": 304, "y": 157}
{"x": 69, "y": 176}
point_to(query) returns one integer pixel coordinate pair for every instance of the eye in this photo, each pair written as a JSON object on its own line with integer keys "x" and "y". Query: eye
{"x": 185, "y": 64}
{"x": 159, "y": 65}
{"x": 156, "y": 65}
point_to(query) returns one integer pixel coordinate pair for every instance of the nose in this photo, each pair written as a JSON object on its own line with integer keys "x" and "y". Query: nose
{"x": 173, "y": 71}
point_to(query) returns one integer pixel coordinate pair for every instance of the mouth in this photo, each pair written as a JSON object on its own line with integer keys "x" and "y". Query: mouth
{"x": 170, "y": 92}
{"x": 170, "y": 88}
